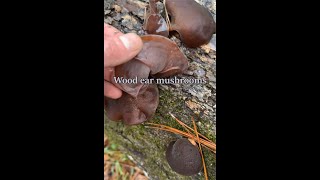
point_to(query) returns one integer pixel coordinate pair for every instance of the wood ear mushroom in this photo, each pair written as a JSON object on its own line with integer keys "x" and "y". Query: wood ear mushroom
{"x": 193, "y": 22}
{"x": 133, "y": 110}
{"x": 183, "y": 157}
{"x": 159, "y": 57}
{"x": 154, "y": 22}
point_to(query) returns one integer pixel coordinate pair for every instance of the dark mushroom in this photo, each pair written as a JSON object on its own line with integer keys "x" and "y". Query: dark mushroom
{"x": 193, "y": 22}
{"x": 159, "y": 57}
{"x": 158, "y": 52}
{"x": 139, "y": 101}
{"x": 131, "y": 70}
{"x": 183, "y": 157}
{"x": 133, "y": 110}
{"x": 154, "y": 23}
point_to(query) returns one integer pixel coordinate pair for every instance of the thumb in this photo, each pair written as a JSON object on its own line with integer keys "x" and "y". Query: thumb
{"x": 120, "y": 48}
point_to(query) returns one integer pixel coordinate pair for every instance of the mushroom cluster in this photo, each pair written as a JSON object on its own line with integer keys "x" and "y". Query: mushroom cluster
{"x": 159, "y": 58}
{"x": 193, "y": 22}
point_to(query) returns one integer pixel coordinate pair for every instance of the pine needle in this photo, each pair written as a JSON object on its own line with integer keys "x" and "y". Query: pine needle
{"x": 210, "y": 145}
{"x": 194, "y": 135}
{"x": 200, "y": 149}
{"x": 167, "y": 16}
{"x": 183, "y": 124}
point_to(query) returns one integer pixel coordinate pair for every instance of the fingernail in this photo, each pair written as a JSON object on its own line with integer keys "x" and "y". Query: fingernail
{"x": 130, "y": 41}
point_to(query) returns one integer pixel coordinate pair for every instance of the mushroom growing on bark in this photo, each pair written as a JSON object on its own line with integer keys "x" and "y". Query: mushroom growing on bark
{"x": 154, "y": 22}
{"x": 159, "y": 57}
{"x": 193, "y": 22}
{"x": 183, "y": 157}
{"x": 133, "y": 110}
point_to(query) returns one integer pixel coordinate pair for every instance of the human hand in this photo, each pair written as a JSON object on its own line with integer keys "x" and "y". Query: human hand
{"x": 118, "y": 49}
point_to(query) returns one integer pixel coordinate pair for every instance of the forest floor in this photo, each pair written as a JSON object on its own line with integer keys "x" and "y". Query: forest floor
{"x": 117, "y": 165}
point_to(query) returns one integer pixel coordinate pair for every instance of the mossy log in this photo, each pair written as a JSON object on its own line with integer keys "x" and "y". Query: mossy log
{"x": 147, "y": 146}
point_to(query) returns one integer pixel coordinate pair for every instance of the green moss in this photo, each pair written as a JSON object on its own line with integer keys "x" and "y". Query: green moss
{"x": 168, "y": 103}
{"x": 147, "y": 146}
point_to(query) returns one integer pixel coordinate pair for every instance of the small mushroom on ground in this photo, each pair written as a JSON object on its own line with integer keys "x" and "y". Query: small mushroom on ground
{"x": 183, "y": 157}
{"x": 193, "y": 22}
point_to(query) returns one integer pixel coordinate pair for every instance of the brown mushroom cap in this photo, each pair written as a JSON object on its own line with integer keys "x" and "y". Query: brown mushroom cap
{"x": 193, "y": 22}
{"x": 133, "y": 110}
{"x": 154, "y": 22}
{"x": 130, "y": 70}
{"x": 183, "y": 157}
{"x": 159, "y": 57}
{"x": 162, "y": 55}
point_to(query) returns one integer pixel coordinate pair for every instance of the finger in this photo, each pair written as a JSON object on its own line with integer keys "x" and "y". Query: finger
{"x": 108, "y": 73}
{"x": 111, "y": 91}
{"x": 120, "y": 48}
